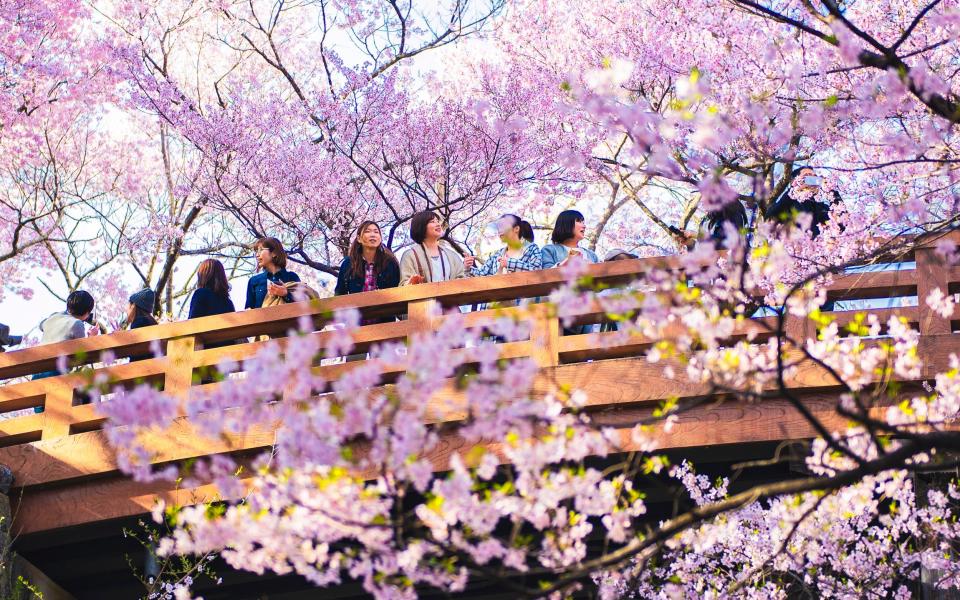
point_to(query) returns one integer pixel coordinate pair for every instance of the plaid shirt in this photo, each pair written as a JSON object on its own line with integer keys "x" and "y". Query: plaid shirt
{"x": 528, "y": 261}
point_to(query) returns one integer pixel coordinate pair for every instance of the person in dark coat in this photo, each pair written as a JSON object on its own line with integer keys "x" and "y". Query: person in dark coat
{"x": 140, "y": 314}
{"x": 714, "y": 225}
{"x": 802, "y": 200}
{"x": 272, "y": 260}
{"x": 212, "y": 296}
{"x": 140, "y": 309}
{"x": 368, "y": 266}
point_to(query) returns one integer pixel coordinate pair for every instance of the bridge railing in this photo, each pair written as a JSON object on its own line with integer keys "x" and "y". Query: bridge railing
{"x": 183, "y": 354}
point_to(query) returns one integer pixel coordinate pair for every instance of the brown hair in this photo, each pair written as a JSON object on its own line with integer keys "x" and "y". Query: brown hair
{"x": 210, "y": 275}
{"x": 418, "y": 224}
{"x": 380, "y": 260}
{"x": 273, "y": 245}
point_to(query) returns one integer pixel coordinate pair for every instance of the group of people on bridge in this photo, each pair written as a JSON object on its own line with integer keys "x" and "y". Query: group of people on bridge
{"x": 371, "y": 265}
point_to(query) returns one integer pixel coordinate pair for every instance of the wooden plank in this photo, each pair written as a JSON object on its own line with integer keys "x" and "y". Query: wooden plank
{"x": 57, "y": 409}
{"x": 46, "y": 508}
{"x": 545, "y": 335}
{"x": 932, "y": 274}
{"x": 18, "y": 430}
{"x": 607, "y": 383}
{"x": 180, "y": 361}
{"x": 876, "y": 284}
{"x": 26, "y": 394}
{"x": 363, "y": 338}
{"x": 421, "y": 315}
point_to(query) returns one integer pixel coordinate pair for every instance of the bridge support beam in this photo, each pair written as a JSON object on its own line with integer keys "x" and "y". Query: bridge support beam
{"x": 19, "y": 579}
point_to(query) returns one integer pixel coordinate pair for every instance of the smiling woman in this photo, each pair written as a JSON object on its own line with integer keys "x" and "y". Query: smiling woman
{"x": 272, "y": 261}
{"x": 369, "y": 264}
{"x": 429, "y": 259}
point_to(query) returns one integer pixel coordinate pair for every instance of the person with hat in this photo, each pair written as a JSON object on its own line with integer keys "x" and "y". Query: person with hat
{"x": 140, "y": 313}
{"x": 140, "y": 310}
{"x": 619, "y": 254}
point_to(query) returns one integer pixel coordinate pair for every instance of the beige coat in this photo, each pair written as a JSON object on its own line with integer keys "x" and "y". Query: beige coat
{"x": 415, "y": 262}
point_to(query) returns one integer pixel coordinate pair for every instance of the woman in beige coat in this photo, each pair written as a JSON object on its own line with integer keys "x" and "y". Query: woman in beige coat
{"x": 429, "y": 259}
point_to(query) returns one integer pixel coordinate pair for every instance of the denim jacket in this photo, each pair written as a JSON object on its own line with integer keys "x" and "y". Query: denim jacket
{"x": 257, "y": 286}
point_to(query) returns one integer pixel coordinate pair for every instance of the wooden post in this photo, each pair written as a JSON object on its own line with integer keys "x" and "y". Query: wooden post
{"x": 931, "y": 274}
{"x": 545, "y": 335}
{"x": 420, "y": 314}
{"x": 179, "y": 375}
{"x": 56, "y": 411}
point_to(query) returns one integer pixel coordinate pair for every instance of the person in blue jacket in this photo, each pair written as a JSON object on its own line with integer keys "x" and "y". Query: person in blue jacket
{"x": 568, "y": 231}
{"x": 272, "y": 260}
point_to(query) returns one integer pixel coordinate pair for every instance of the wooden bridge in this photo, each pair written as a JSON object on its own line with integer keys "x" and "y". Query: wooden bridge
{"x": 67, "y": 478}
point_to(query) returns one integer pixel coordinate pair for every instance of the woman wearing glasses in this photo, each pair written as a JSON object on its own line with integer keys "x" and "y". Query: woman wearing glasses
{"x": 429, "y": 259}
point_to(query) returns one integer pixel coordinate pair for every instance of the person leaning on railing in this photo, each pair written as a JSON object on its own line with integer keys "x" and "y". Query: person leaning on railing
{"x": 72, "y": 324}
{"x": 612, "y": 256}
{"x": 519, "y": 252}
{"x": 568, "y": 231}
{"x": 212, "y": 296}
{"x": 430, "y": 259}
{"x": 368, "y": 266}
{"x": 140, "y": 313}
{"x": 272, "y": 261}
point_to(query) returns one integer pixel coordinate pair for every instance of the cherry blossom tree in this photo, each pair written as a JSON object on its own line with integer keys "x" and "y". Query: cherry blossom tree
{"x": 670, "y": 108}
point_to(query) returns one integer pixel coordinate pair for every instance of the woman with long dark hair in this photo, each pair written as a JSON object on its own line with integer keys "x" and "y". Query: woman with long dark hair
{"x": 212, "y": 296}
{"x": 369, "y": 265}
{"x": 519, "y": 253}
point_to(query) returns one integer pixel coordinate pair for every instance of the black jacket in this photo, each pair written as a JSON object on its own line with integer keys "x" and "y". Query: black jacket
{"x": 348, "y": 283}
{"x": 783, "y": 210}
{"x": 205, "y": 303}
{"x": 138, "y": 322}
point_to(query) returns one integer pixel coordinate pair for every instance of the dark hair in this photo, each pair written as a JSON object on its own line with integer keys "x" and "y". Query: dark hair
{"x": 380, "y": 260}
{"x": 79, "y": 303}
{"x": 526, "y": 230}
{"x": 732, "y": 212}
{"x": 563, "y": 228}
{"x": 211, "y": 275}
{"x": 797, "y": 170}
{"x": 418, "y": 224}
{"x": 273, "y": 245}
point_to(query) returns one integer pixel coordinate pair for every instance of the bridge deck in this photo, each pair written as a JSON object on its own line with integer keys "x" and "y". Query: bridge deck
{"x": 67, "y": 475}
